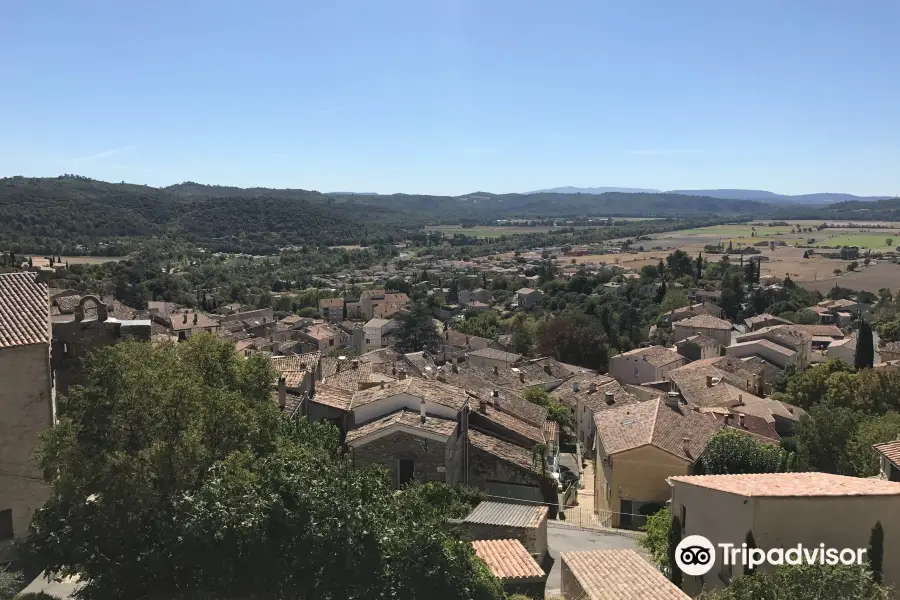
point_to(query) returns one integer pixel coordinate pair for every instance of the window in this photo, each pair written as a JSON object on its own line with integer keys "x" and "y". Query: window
{"x": 683, "y": 517}
{"x": 368, "y": 341}
{"x": 406, "y": 471}
{"x": 6, "y": 524}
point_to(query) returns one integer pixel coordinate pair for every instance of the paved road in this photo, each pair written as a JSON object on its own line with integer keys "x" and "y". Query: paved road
{"x": 573, "y": 540}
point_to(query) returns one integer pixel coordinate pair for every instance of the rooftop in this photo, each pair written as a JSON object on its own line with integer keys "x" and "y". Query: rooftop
{"x": 657, "y": 424}
{"x": 792, "y": 485}
{"x": 619, "y": 575}
{"x": 406, "y": 419}
{"x": 699, "y": 340}
{"x": 889, "y": 450}
{"x": 507, "y": 514}
{"x": 704, "y": 322}
{"x": 494, "y": 354}
{"x": 510, "y": 453}
{"x": 433, "y": 391}
{"x": 24, "y": 310}
{"x": 331, "y": 303}
{"x": 508, "y": 560}
{"x": 333, "y": 397}
{"x": 657, "y": 356}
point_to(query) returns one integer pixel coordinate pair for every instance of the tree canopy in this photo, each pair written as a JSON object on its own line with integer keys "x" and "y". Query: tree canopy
{"x": 803, "y": 582}
{"x": 176, "y": 477}
{"x": 733, "y": 452}
{"x": 417, "y": 330}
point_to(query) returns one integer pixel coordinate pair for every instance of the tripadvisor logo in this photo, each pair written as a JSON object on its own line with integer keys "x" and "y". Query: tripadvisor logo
{"x": 696, "y": 555}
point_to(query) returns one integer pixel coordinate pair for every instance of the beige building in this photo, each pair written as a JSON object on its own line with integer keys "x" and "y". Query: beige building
{"x": 377, "y": 333}
{"x": 587, "y": 395}
{"x": 186, "y": 323}
{"x": 698, "y": 347}
{"x": 779, "y": 344}
{"x": 710, "y": 326}
{"x": 491, "y": 357}
{"x": 638, "y": 447}
{"x": 27, "y": 401}
{"x": 614, "y": 575}
{"x": 332, "y": 309}
{"x": 783, "y": 510}
{"x": 644, "y": 365}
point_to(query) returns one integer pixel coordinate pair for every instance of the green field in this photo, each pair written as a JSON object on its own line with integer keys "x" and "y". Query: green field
{"x": 734, "y": 231}
{"x": 495, "y": 231}
{"x": 873, "y": 241}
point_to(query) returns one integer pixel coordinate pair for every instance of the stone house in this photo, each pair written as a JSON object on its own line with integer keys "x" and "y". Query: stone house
{"x": 185, "y": 323}
{"x": 888, "y": 460}
{"x": 491, "y": 357}
{"x": 588, "y": 394}
{"x": 321, "y": 338}
{"x": 710, "y": 326}
{"x": 643, "y": 365}
{"x": 783, "y": 510}
{"x": 698, "y": 347}
{"x": 638, "y": 447}
{"x": 779, "y": 344}
{"x": 528, "y": 298}
{"x": 27, "y": 401}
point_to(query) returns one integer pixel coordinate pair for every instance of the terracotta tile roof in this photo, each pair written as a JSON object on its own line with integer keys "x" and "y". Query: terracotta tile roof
{"x": 178, "y": 323}
{"x": 372, "y": 294}
{"x": 764, "y": 318}
{"x": 321, "y": 332}
{"x": 508, "y": 560}
{"x": 419, "y": 361}
{"x": 655, "y": 423}
{"x": 24, "y": 310}
{"x": 433, "y": 391}
{"x": 699, "y": 340}
{"x": 351, "y": 379}
{"x": 787, "y": 352}
{"x": 297, "y": 362}
{"x": 294, "y": 379}
{"x": 754, "y": 426}
{"x": 507, "y": 514}
{"x": 786, "y": 335}
{"x": 404, "y": 418}
{"x": 704, "y": 322}
{"x": 889, "y": 450}
{"x": 596, "y": 400}
{"x": 494, "y": 354}
{"x": 832, "y": 331}
{"x": 333, "y": 397}
{"x": 792, "y": 484}
{"x": 331, "y": 303}
{"x": 510, "y": 453}
{"x": 482, "y": 381}
{"x": 551, "y": 431}
{"x": 618, "y": 575}
{"x": 657, "y": 356}
{"x": 511, "y": 422}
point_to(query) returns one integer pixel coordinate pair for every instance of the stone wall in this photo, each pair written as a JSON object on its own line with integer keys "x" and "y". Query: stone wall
{"x": 533, "y": 538}
{"x": 484, "y": 467}
{"x": 74, "y": 340}
{"x": 570, "y": 586}
{"x": 429, "y": 455}
{"x": 26, "y": 410}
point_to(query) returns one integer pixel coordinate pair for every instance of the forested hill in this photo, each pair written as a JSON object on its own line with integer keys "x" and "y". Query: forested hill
{"x": 64, "y": 212}
{"x": 878, "y": 210}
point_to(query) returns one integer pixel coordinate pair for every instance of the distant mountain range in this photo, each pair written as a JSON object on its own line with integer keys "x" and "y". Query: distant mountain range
{"x": 757, "y": 195}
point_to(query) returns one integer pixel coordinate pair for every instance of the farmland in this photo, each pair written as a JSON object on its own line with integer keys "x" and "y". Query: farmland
{"x": 869, "y": 279}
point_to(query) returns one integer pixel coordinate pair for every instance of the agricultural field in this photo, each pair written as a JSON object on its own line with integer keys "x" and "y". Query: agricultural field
{"x": 88, "y": 260}
{"x": 881, "y": 240}
{"x": 869, "y": 279}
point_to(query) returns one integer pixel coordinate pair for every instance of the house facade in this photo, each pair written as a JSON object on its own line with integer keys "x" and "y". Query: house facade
{"x": 332, "y": 309}
{"x": 27, "y": 401}
{"x": 644, "y": 365}
{"x": 708, "y": 325}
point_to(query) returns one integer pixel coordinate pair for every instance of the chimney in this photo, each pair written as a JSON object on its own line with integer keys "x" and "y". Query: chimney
{"x": 686, "y": 445}
{"x": 482, "y": 406}
{"x": 592, "y": 387}
{"x": 184, "y": 320}
{"x": 282, "y": 392}
{"x": 741, "y": 419}
{"x": 382, "y": 385}
{"x": 496, "y": 370}
{"x": 454, "y": 367}
{"x": 609, "y": 397}
{"x": 495, "y": 394}
{"x": 575, "y": 386}
{"x": 522, "y": 376}
{"x": 102, "y": 312}
{"x": 422, "y": 416}
{"x": 195, "y": 318}
{"x": 709, "y": 381}
{"x": 354, "y": 364}
{"x": 673, "y": 400}
{"x": 401, "y": 374}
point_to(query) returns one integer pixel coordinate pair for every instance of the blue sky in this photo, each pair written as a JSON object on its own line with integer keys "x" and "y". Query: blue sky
{"x": 453, "y": 96}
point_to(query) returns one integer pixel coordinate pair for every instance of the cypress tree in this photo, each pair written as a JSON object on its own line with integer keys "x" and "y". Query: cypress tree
{"x": 751, "y": 543}
{"x": 675, "y": 574}
{"x": 865, "y": 347}
{"x": 876, "y": 552}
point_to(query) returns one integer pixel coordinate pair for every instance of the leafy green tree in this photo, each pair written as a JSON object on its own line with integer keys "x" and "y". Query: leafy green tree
{"x": 309, "y": 312}
{"x": 10, "y": 583}
{"x": 523, "y": 340}
{"x": 656, "y": 538}
{"x": 417, "y": 331}
{"x": 859, "y": 458}
{"x": 674, "y": 298}
{"x": 576, "y": 339}
{"x": 733, "y": 452}
{"x": 876, "y": 552}
{"x": 556, "y": 410}
{"x": 803, "y": 582}
{"x": 865, "y": 347}
{"x": 174, "y": 460}
{"x": 823, "y": 436}
{"x": 889, "y": 331}
{"x": 675, "y": 574}
{"x": 679, "y": 263}
{"x": 808, "y": 388}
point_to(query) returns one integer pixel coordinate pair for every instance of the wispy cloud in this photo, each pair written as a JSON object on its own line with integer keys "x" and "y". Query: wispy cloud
{"x": 100, "y": 155}
{"x": 662, "y": 152}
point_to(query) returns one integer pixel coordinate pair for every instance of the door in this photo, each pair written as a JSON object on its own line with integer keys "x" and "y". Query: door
{"x": 406, "y": 471}
{"x": 625, "y": 510}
